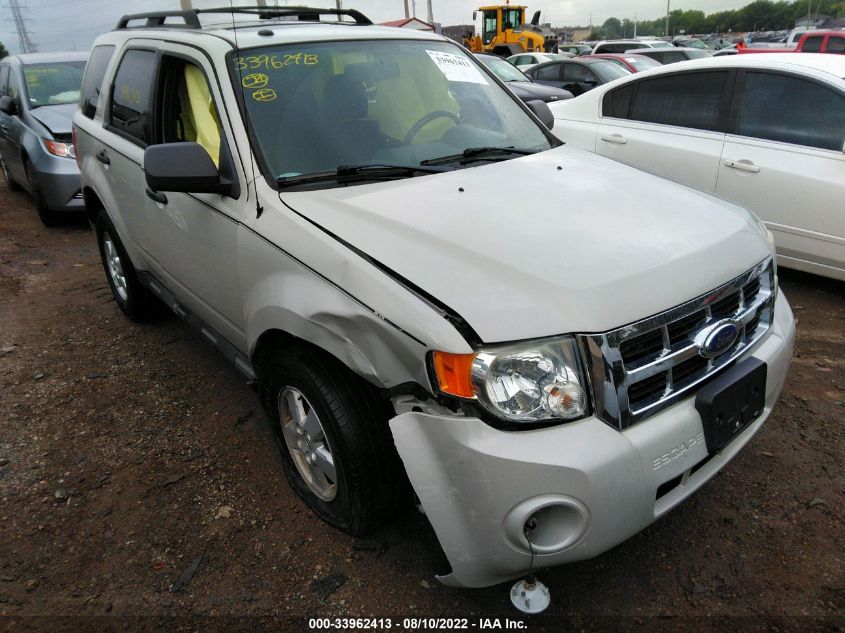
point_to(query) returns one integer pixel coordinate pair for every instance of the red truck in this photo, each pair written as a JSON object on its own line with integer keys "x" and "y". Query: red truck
{"x": 810, "y": 42}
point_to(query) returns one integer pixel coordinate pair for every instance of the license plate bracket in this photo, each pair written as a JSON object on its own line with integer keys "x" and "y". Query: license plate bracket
{"x": 731, "y": 402}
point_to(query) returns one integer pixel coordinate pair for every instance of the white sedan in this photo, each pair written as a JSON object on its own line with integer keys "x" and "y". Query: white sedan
{"x": 524, "y": 61}
{"x": 765, "y": 131}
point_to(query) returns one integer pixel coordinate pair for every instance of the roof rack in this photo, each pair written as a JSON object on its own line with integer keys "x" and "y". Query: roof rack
{"x": 191, "y": 18}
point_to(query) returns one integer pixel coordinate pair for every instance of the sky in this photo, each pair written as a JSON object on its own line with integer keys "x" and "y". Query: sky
{"x": 56, "y": 25}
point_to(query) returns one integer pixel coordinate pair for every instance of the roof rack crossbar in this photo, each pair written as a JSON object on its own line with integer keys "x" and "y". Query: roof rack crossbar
{"x": 302, "y": 13}
{"x": 158, "y": 19}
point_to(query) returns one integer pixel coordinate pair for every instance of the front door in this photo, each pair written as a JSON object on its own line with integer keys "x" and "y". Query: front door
{"x": 672, "y": 126}
{"x": 194, "y": 236}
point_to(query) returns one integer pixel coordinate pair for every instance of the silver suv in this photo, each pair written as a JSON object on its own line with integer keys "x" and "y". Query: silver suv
{"x": 433, "y": 294}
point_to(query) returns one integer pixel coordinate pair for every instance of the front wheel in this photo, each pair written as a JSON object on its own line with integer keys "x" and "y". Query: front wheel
{"x": 331, "y": 429}
{"x": 47, "y": 215}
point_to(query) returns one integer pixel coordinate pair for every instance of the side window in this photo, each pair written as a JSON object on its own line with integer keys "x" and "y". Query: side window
{"x": 577, "y": 73}
{"x": 691, "y": 100}
{"x": 617, "y": 103}
{"x": 813, "y": 44}
{"x": 95, "y": 71}
{"x": 548, "y": 73}
{"x": 835, "y": 44}
{"x": 4, "y": 80}
{"x": 132, "y": 95}
{"x": 792, "y": 110}
{"x": 14, "y": 86}
{"x": 188, "y": 112}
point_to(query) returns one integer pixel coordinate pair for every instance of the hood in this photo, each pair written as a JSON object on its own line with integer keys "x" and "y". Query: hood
{"x": 56, "y": 118}
{"x": 561, "y": 241}
{"x": 527, "y": 90}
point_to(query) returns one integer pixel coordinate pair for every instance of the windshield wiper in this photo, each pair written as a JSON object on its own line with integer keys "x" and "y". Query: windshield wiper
{"x": 471, "y": 154}
{"x": 345, "y": 174}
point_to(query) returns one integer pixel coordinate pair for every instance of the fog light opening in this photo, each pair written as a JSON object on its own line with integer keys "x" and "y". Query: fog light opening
{"x": 548, "y": 524}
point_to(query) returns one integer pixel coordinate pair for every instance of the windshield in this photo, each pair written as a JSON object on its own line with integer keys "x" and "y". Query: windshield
{"x": 316, "y": 107}
{"x": 504, "y": 70}
{"x": 698, "y": 54}
{"x": 608, "y": 70}
{"x": 53, "y": 84}
{"x": 643, "y": 63}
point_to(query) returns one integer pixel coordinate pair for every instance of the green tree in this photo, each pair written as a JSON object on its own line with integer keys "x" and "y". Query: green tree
{"x": 3, "y": 51}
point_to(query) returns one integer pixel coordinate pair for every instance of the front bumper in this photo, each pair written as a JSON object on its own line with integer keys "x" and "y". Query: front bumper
{"x": 589, "y": 485}
{"x": 58, "y": 180}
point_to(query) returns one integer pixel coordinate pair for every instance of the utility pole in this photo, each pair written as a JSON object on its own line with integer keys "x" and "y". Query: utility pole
{"x": 635, "y": 26}
{"x": 668, "y": 2}
{"x": 430, "y": 14}
{"x": 185, "y": 5}
{"x": 407, "y": 12}
{"x": 20, "y": 24}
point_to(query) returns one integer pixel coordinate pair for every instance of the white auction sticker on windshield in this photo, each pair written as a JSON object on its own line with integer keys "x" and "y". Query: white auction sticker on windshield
{"x": 456, "y": 67}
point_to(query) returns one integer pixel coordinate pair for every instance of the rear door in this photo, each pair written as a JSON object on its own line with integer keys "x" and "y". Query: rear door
{"x": 549, "y": 74}
{"x": 578, "y": 78}
{"x": 672, "y": 125}
{"x": 119, "y": 152}
{"x": 5, "y": 121}
{"x": 784, "y": 160}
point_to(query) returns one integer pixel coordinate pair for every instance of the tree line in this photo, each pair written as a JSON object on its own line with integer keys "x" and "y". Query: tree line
{"x": 760, "y": 15}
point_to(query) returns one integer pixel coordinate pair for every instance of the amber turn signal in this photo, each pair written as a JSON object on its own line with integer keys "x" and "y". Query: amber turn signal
{"x": 454, "y": 373}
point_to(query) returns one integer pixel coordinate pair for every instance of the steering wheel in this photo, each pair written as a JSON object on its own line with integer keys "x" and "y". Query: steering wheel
{"x": 428, "y": 118}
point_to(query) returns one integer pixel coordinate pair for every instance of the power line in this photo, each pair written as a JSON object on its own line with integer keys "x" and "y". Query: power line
{"x": 26, "y": 44}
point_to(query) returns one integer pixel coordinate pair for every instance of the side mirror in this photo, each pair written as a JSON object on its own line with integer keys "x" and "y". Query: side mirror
{"x": 8, "y": 105}
{"x": 183, "y": 167}
{"x": 541, "y": 111}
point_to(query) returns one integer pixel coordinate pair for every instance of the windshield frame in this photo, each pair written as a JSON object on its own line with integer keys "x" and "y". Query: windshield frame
{"x": 25, "y": 86}
{"x": 258, "y": 156}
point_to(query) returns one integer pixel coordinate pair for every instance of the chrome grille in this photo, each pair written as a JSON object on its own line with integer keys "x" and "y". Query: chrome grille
{"x": 641, "y": 368}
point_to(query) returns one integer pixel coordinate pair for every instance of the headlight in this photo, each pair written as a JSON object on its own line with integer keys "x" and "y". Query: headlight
{"x": 523, "y": 383}
{"x": 65, "y": 150}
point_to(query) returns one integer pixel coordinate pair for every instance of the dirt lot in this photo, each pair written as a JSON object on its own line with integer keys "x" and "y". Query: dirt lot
{"x": 129, "y": 453}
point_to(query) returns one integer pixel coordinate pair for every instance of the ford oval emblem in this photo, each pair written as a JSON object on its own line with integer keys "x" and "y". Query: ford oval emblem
{"x": 719, "y": 338}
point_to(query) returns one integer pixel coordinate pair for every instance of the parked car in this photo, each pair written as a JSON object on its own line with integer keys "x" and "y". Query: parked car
{"x": 773, "y": 141}
{"x": 341, "y": 209}
{"x": 577, "y": 75}
{"x": 810, "y": 42}
{"x": 617, "y": 46}
{"x": 38, "y": 96}
{"x": 524, "y": 61}
{"x": 633, "y": 62}
{"x": 653, "y": 43}
{"x": 521, "y": 84}
{"x": 672, "y": 55}
{"x": 575, "y": 49}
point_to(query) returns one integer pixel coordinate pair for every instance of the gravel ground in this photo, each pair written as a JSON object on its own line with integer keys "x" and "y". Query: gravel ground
{"x": 141, "y": 489}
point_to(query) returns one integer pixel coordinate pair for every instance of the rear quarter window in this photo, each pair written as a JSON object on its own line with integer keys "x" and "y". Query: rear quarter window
{"x": 92, "y": 82}
{"x": 835, "y": 44}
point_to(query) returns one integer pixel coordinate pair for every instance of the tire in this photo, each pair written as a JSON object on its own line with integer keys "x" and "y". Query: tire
{"x": 134, "y": 300}
{"x": 369, "y": 485}
{"x": 48, "y": 217}
{"x": 11, "y": 183}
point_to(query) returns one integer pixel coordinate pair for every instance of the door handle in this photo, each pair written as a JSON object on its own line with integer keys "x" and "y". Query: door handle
{"x": 743, "y": 165}
{"x": 103, "y": 157}
{"x": 614, "y": 138}
{"x": 156, "y": 196}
